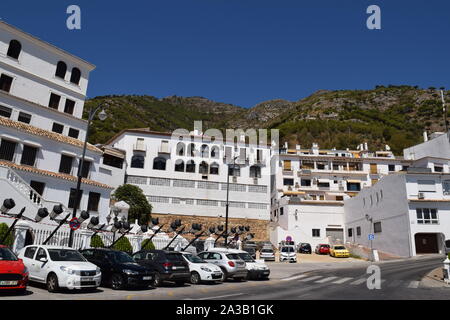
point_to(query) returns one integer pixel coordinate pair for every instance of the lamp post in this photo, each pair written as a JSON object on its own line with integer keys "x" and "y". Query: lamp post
{"x": 227, "y": 203}
{"x": 370, "y": 219}
{"x": 102, "y": 116}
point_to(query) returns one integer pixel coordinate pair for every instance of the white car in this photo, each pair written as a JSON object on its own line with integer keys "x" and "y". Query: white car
{"x": 201, "y": 270}
{"x": 267, "y": 254}
{"x": 60, "y": 267}
{"x": 287, "y": 253}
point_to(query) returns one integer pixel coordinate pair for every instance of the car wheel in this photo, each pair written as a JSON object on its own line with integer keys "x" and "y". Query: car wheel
{"x": 157, "y": 282}
{"x": 195, "y": 278}
{"x": 52, "y": 283}
{"x": 116, "y": 281}
{"x": 224, "y": 275}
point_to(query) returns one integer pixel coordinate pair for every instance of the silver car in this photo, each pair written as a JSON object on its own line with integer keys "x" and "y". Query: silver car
{"x": 267, "y": 254}
{"x": 233, "y": 267}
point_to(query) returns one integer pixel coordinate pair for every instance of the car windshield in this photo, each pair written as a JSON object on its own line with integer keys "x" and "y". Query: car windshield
{"x": 287, "y": 249}
{"x": 233, "y": 256}
{"x": 325, "y": 246}
{"x": 194, "y": 259}
{"x": 65, "y": 255}
{"x": 246, "y": 257}
{"x": 339, "y": 248}
{"x": 250, "y": 250}
{"x": 7, "y": 255}
{"x": 120, "y": 257}
{"x": 267, "y": 250}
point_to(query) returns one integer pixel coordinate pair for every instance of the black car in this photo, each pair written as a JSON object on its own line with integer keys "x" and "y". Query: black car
{"x": 166, "y": 265}
{"x": 118, "y": 268}
{"x": 304, "y": 248}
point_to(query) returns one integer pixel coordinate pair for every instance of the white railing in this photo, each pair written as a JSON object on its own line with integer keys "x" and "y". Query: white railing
{"x": 60, "y": 238}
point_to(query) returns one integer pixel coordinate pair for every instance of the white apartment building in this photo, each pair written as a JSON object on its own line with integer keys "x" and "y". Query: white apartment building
{"x": 186, "y": 174}
{"x": 42, "y": 93}
{"x": 309, "y": 187}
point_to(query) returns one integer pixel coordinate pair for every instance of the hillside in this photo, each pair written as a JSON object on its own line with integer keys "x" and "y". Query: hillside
{"x": 393, "y": 115}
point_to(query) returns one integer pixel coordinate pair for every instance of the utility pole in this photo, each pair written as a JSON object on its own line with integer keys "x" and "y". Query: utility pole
{"x": 227, "y": 203}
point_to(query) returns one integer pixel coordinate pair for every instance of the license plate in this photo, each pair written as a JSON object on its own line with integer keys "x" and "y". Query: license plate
{"x": 147, "y": 278}
{"x": 8, "y": 283}
{"x": 87, "y": 279}
{"x": 217, "y": 274}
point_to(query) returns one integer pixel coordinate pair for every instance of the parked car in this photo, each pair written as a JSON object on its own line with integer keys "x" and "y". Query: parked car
{"x": 339, "y": 251}
{"x": 166, "y": 265}
{"x": 202, "y": 271}
{"x": 13, "y": 273}
{"x": 119, "y": 270}
{"x": 287, "y": 253}
{"x": 233, "y": 267}
{"x": 251, "y": 251}
{"x": 304, "y": 248}
{"x": 60, "y": 267}
{"x": 257, "y": 269}
{"x": 322, "y": 249}
{"x": 267, "y": 254}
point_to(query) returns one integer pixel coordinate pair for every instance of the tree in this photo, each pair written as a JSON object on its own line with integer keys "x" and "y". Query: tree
{"x": 123, "y": 245}
{"x": 140, "y": 208}
{"x": 10, "y": 239}
{"x": 97, "y": 242}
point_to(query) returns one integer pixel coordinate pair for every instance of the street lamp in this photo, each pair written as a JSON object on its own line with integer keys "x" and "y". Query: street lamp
{"x": 102, "y": 116}
{"x": 228, "y": 196}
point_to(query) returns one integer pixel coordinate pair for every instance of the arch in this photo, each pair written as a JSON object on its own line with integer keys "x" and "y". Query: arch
{"x": 180, "y": 149}
{"x": 159, "y": 163}
{"x": 75, "y": 76}
{"x": 215, "y": 151}
{"x": 204, "y": 151}
{"x": 61, "y": 69}
{"x": 179, "y": 165}
{"x": 191, "y": 150}
{"x": 137, "y": 161}
{"x": 255, "y": 172}
{"x": 203, "y": 168}
{"x": 234, "y": 171}
{"x": 214, "y": 168}
{"x": 190, "y": 166}
{"x": 14, "y": 49}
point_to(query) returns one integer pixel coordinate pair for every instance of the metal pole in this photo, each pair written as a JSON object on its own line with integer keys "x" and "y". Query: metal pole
{"x": 56, "y": 229}
{"x": 196, "y": 237}
{"x": 12, "y": 226}
{"x": 123, "y": 235}
{"x": 154, "y": 234}
{"x": 176, "y": 235}
{"x": 98, "y": 230}
{"x": 227, "y": 203}
{"x": 220, "y": 236}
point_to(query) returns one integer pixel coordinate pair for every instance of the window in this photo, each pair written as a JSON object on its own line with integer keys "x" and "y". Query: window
{"x": 159, "y": 164}
{"x": 7, "y": 150}
{"x": 74, "y": 133}
{"x": 350, "y": 232}
{"x": 204, "y": 151}
{"x": 287, "y": 165}
{"x": 323, "y": 184}
{"x": 427, "y": 216}
{"x": 37, "y": 186}
{"x": 54, "y": 101}
{"x": 339, "y": 198}
{"x": 215, "y": 152}
{"x": 316, "y": 233}
{"x": 180, "y": 149}
{"x": 179, "y": 166}
{"x": 305, "y": 183}
{"x": 69, "y": 107}
{"x": 377, "y": 227}
{"x": 41, "y": 254}
{"x": 28, "y": 155}
{"x": 137, "y": 161}
{"x": 29, "y": 252}
{"x": 255, "y": 172}
{"x": 61, "y": 69}
{"x": 14, "y": 49}
{"x": 391, "y": 167}
{"x": 190, "y": 166}
{"x": 288, "y": 182}
{"x": 94, "y": 199}
{"x": 65, "y": 166}
{"x": 5, "y": 112}
{"x": 203, "y": 168}
{"x": 24, "y": 117}
{"x": 72, "y": 196}
{"x": 320, "y": 166}
{"x": 358, "y": 231}
{"x": 112, "y": 161}
{"x": 353, "y": 186}
{"x": 426, "y": 186}
{"x": 86, "y": 169}
{"x": 5, "y": 82}
{"x": 281, "y": 211}
{"x": 234, "y": 171}
{"x": 438, "y": 168}
{"x": 58, "y": 128}
{"x": 76, "y": 76}
{"x": 191, "y": 150}
{"x": 214, "y": 168}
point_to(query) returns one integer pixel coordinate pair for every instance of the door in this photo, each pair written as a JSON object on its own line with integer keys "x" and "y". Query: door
{"x": 40, "y": 269}
{"x": 335, "y": 234}
{"x": 426, "y": 243}
{"x": 28, "y": 260}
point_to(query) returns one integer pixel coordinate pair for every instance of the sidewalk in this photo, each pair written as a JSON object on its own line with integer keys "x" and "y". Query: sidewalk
{"x": 434, "y": 279}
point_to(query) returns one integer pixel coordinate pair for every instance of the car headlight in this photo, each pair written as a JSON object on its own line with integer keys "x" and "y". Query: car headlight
{"x": 130, "y": 272}
{"x": 98, "y": 270}
{"x": 205, "y": 269}
{"x": 68, "y": 270}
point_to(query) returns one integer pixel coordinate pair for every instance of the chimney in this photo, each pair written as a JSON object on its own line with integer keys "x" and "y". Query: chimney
{"x": 425, "y": 136}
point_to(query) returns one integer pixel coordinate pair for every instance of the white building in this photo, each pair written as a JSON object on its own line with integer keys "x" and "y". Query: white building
{"x": 187, "y": 174}
{"x": 309, "y": 187}
{"x": 42, "y": 93}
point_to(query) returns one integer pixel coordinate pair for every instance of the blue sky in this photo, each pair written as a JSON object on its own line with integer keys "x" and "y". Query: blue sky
{"x": 246, "y": 51}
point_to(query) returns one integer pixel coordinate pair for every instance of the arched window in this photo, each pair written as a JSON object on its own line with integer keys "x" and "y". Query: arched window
{"x": 14, "y": 49}
{"x": 159, "y": 163}
{"x": 204, "y": 168}
{"x": 179, "y": 166}
{"x": 234, "y": 171}
{"x": 204, "y": 151}
{"x": 137, "y": 161}
{"x": 190, "y": 166}
{"x": 61, "y": 69}
{"x": 180, "y": 149}
{"x": 76, "y": 76}
{"x": 215, "y": 152}
{"x": 191, "y": 150}
{"x": 214, "y": 168}
{"x": 255, "y": 172}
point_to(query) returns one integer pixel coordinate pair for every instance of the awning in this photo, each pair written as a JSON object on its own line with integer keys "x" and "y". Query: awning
{"x": 114, "y": 153}
{"x": 293, "y": 193}
{"x": 354, "y": 181}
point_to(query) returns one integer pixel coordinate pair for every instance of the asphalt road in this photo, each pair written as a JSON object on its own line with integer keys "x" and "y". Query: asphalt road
{"x": 399, "y": 280}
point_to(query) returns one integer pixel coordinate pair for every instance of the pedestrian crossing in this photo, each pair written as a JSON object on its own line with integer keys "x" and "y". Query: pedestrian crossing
{"x": 351, "y": 281}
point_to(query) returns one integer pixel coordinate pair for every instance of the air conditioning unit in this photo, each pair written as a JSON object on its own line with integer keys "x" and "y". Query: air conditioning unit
{"x": 421, "y": 195}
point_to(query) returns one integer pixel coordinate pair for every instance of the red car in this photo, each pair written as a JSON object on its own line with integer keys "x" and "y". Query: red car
{"x": 13, "y": 273}
{"x": 322, "y": 249}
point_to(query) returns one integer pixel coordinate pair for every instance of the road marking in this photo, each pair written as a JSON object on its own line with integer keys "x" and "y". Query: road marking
{"x": 311, "y": 278}
{"x": 294, "y": 277}
{"x": 326, "y": 280}
{"x": 358, "y": 282}
{"x": 341, "y": 281}
{"x": 224, "y": 296}
{"x": 414, "y": 284}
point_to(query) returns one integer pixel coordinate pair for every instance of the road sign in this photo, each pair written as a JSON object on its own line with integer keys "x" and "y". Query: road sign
{"x": 74, "y": 224}
{"x": 288, "y": 238}
{"x": 371, "y": 236}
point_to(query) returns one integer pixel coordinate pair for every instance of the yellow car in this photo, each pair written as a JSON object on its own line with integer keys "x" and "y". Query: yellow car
{"x": 339, "y": 251}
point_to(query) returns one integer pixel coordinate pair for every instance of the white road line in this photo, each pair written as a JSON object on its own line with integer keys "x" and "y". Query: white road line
{"x": 311, "y": 278}
{"x": 340, "y": 281}
{"x": 326, "y": 280}
{"x": 358, "y": 282}
{"x": 414, "y": 284}
{"x": 224, "y": 296}
{"x": 294, "y": 277}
